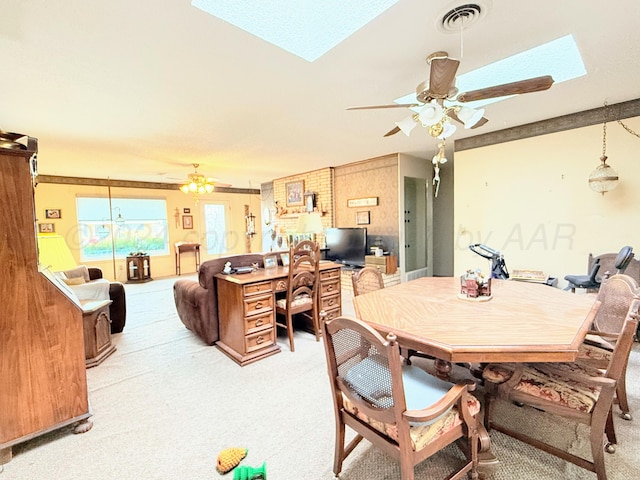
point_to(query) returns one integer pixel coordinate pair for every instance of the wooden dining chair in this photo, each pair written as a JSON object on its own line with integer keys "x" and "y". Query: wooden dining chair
{"x": 577, "y": 393}
{"x": 303, "y": 282}
{"x": 401, "y": 409}
{"x": 616, "y": 294}
{"x": 365, "y": 280}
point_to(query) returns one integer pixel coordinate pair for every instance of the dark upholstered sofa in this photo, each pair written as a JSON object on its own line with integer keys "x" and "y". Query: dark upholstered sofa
{"x": 197, "y": 302}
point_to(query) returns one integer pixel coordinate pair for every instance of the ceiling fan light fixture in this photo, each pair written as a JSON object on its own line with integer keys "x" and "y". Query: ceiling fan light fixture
{"x": 197, "y": 184}
{"x": 448, "y": 129}
{"x": 469, "y": 116}
{"x": 431, "y": 114}
{"x": 407, "y": 124}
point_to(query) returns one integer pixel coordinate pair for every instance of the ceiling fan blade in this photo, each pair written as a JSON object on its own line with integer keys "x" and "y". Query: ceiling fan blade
{"x": 453, "y": 116}
{"x": 442, "y": 76}
{"x": 393, "y": 131}
{"x": 536, "y": 84}
{"x": 394, "y": 105}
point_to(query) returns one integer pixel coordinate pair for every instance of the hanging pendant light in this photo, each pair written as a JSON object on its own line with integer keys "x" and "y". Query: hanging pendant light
{"x": 604, "y": 178}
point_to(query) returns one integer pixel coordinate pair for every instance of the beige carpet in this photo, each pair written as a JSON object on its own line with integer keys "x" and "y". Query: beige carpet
{"x": 164, "y": 405}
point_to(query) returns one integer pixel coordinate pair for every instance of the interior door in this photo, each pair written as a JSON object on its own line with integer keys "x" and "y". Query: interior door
{"x": 415, "y": 226}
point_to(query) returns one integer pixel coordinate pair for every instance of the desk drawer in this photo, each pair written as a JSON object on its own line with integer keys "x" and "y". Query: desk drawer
{"x": 280, "y": 285}
{"x": 257, "y": 305}
{"x": 329, "y": 303}
{"x": 258, "y": 340}
{"x": 331, "y": 314}
{"x": 330, "y": 287}
{"x": 256, "y": 288}
{"x": 330, "y": 275}
{"x": 255, "y": 323}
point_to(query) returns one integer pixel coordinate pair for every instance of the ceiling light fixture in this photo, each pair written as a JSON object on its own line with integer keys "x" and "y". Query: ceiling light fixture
{"x": 197, "y": 184}
{"x": 604, "y": 178}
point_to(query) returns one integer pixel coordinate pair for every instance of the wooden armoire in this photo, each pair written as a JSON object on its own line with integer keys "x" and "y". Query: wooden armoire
{"x": 43, "y": 382}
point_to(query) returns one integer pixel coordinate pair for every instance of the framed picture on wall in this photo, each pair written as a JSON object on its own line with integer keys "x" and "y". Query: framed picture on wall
{"x": 187, "y": 222}
{"x": 46, "y": 228}
{"x": 53, "y": 213}
{"x": 295, "y": 193}
{"x": 362, "y": 218}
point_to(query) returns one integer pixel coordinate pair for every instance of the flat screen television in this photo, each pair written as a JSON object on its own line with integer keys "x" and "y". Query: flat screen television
{"x": 346, "y": 245}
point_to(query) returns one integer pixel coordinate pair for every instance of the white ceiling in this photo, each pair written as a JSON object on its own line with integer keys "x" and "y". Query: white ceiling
{"x": 140, "y": 90}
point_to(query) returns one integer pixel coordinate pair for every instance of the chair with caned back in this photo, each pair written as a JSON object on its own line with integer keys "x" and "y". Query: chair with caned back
{"x": 303, "y": 281}
{"x": 366, "y": 280}
{"x": 616, "y": 294}
{"x": 400, "y": 409}
{"x": 576, "y": 392}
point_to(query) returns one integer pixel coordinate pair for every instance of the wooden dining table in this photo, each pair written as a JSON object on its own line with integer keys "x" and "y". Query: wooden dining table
{"x": 518, "y": 322}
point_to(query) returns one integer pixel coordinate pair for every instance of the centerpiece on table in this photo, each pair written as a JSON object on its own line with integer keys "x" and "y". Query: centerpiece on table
{"x": 473, "y": 284}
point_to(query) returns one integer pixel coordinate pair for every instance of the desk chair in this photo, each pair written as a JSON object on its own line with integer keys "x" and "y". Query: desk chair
{"x": 591, "y": 282}
{"x": 568, "y": 390}
{"x": 401, "y": 409}
{"x": 303, "y": 281}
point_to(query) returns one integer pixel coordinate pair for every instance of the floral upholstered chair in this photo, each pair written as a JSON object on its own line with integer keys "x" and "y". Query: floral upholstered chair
{"x": 574, "y": 391}
{"x": 616, "y": 294}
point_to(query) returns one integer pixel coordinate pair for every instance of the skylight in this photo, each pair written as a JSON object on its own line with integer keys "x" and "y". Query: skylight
{"x": 306, "y": 28}
{"x": 559, "y": 58}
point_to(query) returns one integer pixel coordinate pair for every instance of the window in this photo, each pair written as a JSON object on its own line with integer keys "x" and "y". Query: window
{"x": 215, "y": 227}
{"x": 132, "y": 225}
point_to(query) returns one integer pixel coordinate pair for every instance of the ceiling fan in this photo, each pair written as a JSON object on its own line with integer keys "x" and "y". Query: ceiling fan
{"x": 199, "y": 184}
{"x": 438, "y": 97}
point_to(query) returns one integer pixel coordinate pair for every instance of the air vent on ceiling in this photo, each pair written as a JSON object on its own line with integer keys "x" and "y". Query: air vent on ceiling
{"x": 461, "y": 16}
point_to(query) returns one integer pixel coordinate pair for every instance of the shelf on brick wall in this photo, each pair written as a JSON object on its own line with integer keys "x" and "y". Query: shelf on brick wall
{"x": 296, "y": 215}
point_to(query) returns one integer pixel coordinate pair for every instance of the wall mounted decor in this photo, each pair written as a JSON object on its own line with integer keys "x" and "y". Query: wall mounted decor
{"x": 363, "y": 202}
{"x": 295, "y": 193}
{"x": 187, "y": 222}
{"x": 310, "y": 201}
{"x": 362, "y": 218}
{"x": 46, "y": 228}
{"x": 52, "y": 213}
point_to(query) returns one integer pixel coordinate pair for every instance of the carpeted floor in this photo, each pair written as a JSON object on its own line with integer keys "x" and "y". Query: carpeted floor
{"x": 164, "y": 405}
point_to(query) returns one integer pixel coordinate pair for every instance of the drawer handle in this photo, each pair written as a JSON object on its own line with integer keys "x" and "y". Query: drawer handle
{"x": 259, "y": 340}
{"x": 330, "y": 287}
{"x": 331, "y": 302}
{"x": 259, "y": 322}
{"x": 258, "y": 305}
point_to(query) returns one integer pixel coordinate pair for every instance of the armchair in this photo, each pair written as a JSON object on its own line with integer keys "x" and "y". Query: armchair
{"x": 615, "y": 295}
{"x": 579, "y": 393}
{"x": 118, "y": 307}
{"x": 402, "y": 410}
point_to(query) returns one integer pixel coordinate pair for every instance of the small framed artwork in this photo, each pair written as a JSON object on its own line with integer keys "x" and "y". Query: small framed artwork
{"x": 187, "y": 222}
{"x": 285, "y": 259}
{"x": 270, "y": 261}
{"x": 362, "y": 218}
{"x": 295, "y": 193}
{"x": 309, "y": 201}
{"x": 186, "y": 210}
{"x": 52, "y": 213}
{"x": 46, "y": 228}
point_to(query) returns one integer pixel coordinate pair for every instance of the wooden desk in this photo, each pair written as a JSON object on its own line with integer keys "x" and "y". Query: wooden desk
{"x": 182, "y": 247}
{"x": 523, "y": 322}
{"x": 246, "y": 309}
